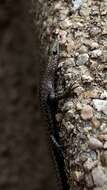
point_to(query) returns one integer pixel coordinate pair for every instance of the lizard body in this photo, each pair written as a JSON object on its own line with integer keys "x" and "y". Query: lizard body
{"x": 47, "y": 90}
{"x": 49, "y": 104}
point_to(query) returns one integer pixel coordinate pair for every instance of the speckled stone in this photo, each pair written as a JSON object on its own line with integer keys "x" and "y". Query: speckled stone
{"x": 82, "y": 59}
{"x": 94, "y": 45}
{"x": 99, "y": 176}
{"x": 95, "y": 143}
{"x": 83, "y": 49}
{"x": 102, "y": 137}
{"x": 87, "y": 112}
{"x": 95, "y": 31}
{"x": 96, "y": 53}
{"x": 100, "y": 105}
{"x": 89, "y": 164}
{"x": 104, "y": 95}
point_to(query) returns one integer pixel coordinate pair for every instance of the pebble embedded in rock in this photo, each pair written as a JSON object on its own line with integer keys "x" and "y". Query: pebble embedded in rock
{"x": 103, "y": 137}
{"x": 87, "y": 78}
{"x": 87, "y": 112}
{"x": 104, "y": 131}
{"x": 68, "y": 106}
{"x": 94, "y": 45}
{"x": 95, "y": 122}
{"x": 100, "y": 105}
{"x": 79, "y": 106}
{"x": 82, "y": 59}
{"x": 103, "y": 127}
{"x": 79, "y": 90}
{"x": 95, "y": 143}
{"x": 96, "y": 53}
{"x": 99, "y": 176}
{"x": 91, "y": 93}
{"x": 83, "y": 49}
{"x": 104, "y": 95}
{"x": 69, "y": 63}
{"x": 76, "y": 4}
{"x": 89, "y": 164}
{"x": 95, "y": 31}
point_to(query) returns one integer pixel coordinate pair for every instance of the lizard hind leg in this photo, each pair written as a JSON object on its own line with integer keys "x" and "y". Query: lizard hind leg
{"x": 52, "y": 106}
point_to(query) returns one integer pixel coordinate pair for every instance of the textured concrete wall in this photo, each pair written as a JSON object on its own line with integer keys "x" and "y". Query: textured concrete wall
{"x": 80, "y": 27}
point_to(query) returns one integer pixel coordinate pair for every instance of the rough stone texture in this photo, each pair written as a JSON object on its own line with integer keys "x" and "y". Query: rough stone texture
{"x": 81, "y": 29}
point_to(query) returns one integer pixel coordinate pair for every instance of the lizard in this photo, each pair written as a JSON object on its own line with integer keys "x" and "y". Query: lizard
{"x": 48, "y": 101}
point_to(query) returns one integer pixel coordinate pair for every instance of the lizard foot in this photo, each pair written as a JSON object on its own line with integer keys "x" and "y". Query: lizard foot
{"x": 69, "y": 90}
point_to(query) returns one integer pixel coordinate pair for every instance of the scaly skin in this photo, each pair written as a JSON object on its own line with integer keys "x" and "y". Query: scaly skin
{"x": 49, "y": 106}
